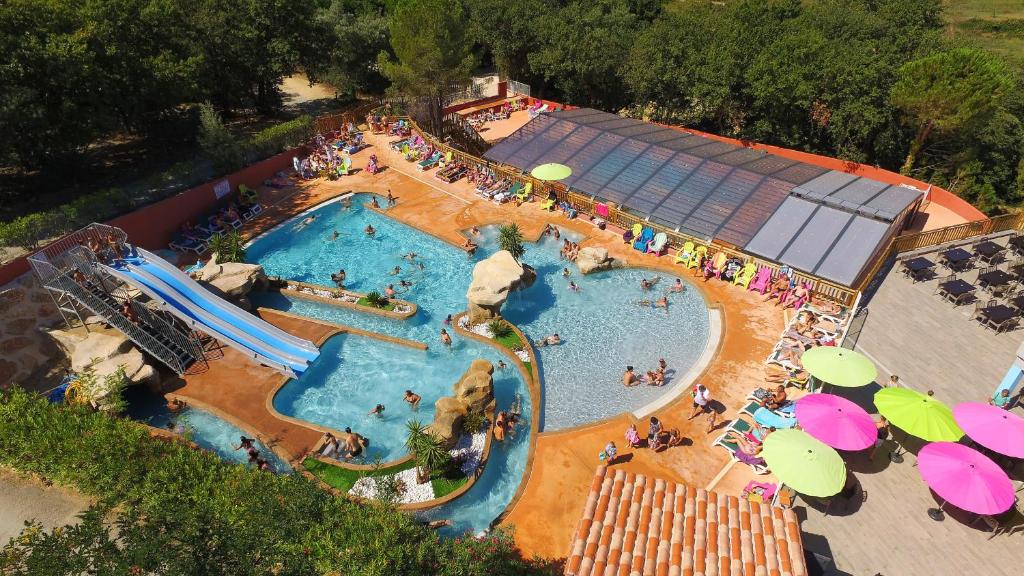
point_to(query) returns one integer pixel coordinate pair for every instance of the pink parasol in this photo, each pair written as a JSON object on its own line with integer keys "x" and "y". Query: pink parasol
{"x": 836, "y": 421}
{"x": 965, "y": 478}
{"x": 992, "y": 427}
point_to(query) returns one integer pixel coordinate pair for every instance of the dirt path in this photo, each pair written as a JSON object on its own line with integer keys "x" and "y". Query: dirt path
{"x": 23, "y": 499}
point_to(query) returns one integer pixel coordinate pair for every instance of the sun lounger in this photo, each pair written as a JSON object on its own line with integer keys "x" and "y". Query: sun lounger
{"x": 659, "y": 244}
{"x": 184, "y": 244}
{"x": 684, "y": 254}
{"x": 761, "y": 280}
{"x": 508, "y": 194}
{"x": 252, "y": 212}
{"x": 430, "y": 162}
{"x": 209, "y": 227}
{"x": 734, "y": 451}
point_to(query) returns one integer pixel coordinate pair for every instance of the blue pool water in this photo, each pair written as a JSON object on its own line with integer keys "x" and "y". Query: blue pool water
{"x": 206, "y": 430}
{"x": 602, "y": 328}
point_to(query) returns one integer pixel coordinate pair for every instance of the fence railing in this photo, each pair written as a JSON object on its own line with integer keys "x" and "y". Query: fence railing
{"x": 919, "y": 240}
{"x": 520, "y": 88}
{"x": 623, "y": 219}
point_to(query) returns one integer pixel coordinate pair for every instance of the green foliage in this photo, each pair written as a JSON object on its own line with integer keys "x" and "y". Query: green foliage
{"x": 472, "y": 422}
{"x": 229, "y": 247}
{"x": 499, "y": 328}
{"x": 375, "y": 299}
{"x": 360, "y": 33}
{"x": 432, "y": 52}
{"x": 217, "y": 142}
{"x": 427, "y": 450}
{"x": 949, "y": 91}
{"x": 510, "y": 239}
{"x": 344, "y": 479}
{"x": 281, "y": 137}
{"x": 582, "y": 50}
{"x": 184, "y": 511}
{"x": 507, "y": 30}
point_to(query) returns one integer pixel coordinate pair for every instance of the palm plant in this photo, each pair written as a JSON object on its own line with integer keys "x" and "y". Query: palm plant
{"x": 229, "y": 247}
{"x": 427, "y": 450}
{"x": 499, "y": 328}
{"x": 510, "y": 239}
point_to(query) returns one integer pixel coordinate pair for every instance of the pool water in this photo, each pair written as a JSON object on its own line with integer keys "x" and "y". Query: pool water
{"x": 602, "y": 329}
{"x": 206, "y": 430}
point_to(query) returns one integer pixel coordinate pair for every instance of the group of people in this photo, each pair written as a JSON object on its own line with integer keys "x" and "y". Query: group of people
{"x": 647, "y": 285}
{"x": 110, "y": 249}
{"x": 654, "y": 377}
{"x": 658, "y": 438}
{"x": 249, "y": 445}
{"x": 352, "y": 447}
{"x": 505, "y": 422}
{"x": 481, "y": 117}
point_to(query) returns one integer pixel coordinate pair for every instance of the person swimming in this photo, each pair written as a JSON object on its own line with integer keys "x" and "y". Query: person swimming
{"x": 396, "y": 271}
{"x": 565, "y": 272}
{"x": 552, "y": 340}
{"x": 369, "y": 230}
{"x": 306, "y": 222}
{"x": 646, "y": 284}
{"x": 335, "y": 235}
{"x": 574, "y": 287}
{"x": 410, "y": 256}
{"x": 678, "y": 286}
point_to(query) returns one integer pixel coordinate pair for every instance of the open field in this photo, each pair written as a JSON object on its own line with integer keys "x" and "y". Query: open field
{"x": 997, "y": 25}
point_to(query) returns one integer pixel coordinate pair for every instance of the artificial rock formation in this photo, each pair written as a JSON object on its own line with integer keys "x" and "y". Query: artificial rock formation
{"x": 474, "y": 392}
{"x": 233, "y": 280}
{"x": 493, "y": 280}
{"x": 594, "y": 259}
{"x": 104, "y": 352}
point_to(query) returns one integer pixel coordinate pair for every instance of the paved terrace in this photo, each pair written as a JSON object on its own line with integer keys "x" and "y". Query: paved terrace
{"x": 555, "y": 492}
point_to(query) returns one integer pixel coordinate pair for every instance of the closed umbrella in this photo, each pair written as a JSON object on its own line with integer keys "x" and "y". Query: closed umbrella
{"x": 917, "y": 414}
{"x": 839, "y": 366}
{"x": 836, "y": 421}
{"x": 994, "y": 428}
{"x": 551, "y": 172}
{"x": 965, "y": 478}
{"x": 804, "y": 463}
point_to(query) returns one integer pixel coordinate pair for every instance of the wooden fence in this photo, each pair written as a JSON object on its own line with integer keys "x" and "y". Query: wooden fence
{"x": 909, "y": 242}
{"x": 625, "y": 220}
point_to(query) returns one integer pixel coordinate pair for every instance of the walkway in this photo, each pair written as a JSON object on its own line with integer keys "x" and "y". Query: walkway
{"x": 24, "y": 499}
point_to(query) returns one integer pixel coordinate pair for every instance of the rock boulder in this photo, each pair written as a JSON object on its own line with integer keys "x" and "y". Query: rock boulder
{"x": 104, "y": 352}
{"x": 493, "y": 280}
{"x": 232, "y": 280}
{"x": 474, "y": 393}
{"x": 594, "y": 259}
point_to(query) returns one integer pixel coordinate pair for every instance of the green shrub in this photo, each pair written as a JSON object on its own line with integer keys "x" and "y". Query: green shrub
{"x": 375, "y": 299}
{"x": 184, "y": 511}
{"x": 499, "y": 328}
{"x": 510, "y": 239}
{"x": 281, "y": 137}
{"x": 228, "y": 246}
{"x": 220, "y": 146}
{"x": 472, "y": 422}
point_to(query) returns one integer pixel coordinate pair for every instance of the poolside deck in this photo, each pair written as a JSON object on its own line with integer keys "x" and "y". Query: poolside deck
{"x": 555, "y": 492}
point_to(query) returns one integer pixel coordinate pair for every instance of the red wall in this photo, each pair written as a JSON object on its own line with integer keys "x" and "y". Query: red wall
{"x": 153, "y": 226}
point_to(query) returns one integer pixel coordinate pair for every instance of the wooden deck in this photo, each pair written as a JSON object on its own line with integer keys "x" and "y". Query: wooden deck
{"x": 931, "y": 345}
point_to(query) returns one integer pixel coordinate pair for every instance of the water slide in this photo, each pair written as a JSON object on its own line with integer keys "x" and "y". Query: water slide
{"x": 209, "y": 313}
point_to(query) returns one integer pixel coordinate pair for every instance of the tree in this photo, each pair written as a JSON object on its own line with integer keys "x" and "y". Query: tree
{"x": 433, "y": 58}
{"x": 427, "y": 450}
{"x": 358, "y": 31}
{"x": 220, "y": 146}
{"x": 229, "y": 247}
{"x": 507, "y": 30}
{"x": 510, "y": 239}
{"x": 947, "y": 92}
{"x": 581, "y": 51}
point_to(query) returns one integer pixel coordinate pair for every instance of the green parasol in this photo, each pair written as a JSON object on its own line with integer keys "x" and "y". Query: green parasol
{"x": 550, "y": 172}
{"x": 804, "y": 463}
{"x": 839, "y": 366}
{"x": 918, "y": 414}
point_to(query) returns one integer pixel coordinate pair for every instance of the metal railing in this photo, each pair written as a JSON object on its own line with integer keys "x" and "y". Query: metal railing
{"x": 55, "y": 267}
{"x": 519, "y": 88}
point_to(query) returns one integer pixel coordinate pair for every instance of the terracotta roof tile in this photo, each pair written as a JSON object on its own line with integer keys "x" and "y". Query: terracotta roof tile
{"x": 633, "y": 525}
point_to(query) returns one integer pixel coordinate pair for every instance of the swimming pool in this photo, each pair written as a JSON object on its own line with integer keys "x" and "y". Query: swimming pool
{"x": 602, "y": 327}
{"x": 206, "y": 430}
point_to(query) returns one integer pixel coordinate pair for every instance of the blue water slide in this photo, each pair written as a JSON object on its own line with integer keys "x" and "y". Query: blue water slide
{"x": 183, "y": 283}
{"x": 200, "y": 319}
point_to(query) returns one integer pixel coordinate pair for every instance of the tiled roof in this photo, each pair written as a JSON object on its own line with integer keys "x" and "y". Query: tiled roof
{"x": 635, "y": 525}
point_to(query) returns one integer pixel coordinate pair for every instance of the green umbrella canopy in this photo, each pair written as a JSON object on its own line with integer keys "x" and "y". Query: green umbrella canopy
{"x": 551, "y": 172}
{"x": 804, "y": 463}
{"x": 839, "y": 366}
{"x": 918, "y": 414}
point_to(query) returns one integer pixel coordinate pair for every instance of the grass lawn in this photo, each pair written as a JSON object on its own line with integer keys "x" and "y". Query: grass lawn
{"x": 364, "y": 302}
{"x": 344, "y": 479}
{"x": 996, "y": 25}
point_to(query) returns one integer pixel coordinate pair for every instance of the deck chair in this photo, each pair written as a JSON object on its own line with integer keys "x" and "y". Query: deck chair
{"x": 683, "y": 256}
{"x": 510, "y": 193}
{"x": 206, "y": 225}
{"x": 733, "y": 448}
{"x": 761, "y": 280}
{"x": 745, "y": 275}
{"x": 698, "y": 254}
{"x": 548, "y": 204}
{"x": 717, "y": 264}
{"x": 524, "y": 192}
{"x": 430, "y": 162}
{"x": 447, "y": 159}
{"x": 637, "y": 229}
{"x": 641, "y": 242}
{"x": 659, "y": 244}
{"x": 247, "y": 194}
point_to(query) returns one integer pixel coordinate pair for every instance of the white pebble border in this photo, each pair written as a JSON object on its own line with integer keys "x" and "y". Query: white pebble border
{"x": 523, "y": 355}
{"x": 343, "y": 296}
{"x": 469, "y": 447}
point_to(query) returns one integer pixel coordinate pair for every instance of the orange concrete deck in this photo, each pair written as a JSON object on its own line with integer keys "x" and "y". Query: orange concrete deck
{"x": 556, "y": 487}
